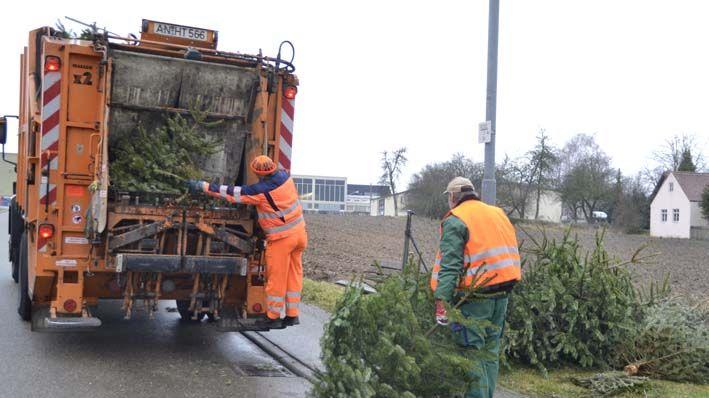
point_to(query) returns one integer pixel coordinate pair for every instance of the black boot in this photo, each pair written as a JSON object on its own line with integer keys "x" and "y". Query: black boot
{"x": 291, "y": 321}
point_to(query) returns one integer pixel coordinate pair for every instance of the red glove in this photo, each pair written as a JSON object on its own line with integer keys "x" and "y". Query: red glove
{"x": 441, "y": 314}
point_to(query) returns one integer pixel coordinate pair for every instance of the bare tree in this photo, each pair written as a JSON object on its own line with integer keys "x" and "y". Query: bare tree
{"x": 392, "y": 164}
{"x": 426, "y": 187}
{"x": 670, "y": 156}
{"x": 586, "y": 176}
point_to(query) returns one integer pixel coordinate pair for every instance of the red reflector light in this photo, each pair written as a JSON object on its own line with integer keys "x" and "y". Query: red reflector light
{"x": 52, "y": 64}
{"x": 46, "y": 231}
{"x": 70, "y": 305}
{"x": 257, "y": 307}
{"x": 290, "y": 92}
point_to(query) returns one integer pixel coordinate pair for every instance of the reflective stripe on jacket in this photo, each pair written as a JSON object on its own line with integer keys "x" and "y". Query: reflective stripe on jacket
{"x": 492, "y": 244}
{"x": 276, "y": 199}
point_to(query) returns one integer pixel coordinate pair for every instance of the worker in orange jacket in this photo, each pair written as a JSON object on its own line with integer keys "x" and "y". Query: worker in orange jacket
{"x": 280, "y": 215}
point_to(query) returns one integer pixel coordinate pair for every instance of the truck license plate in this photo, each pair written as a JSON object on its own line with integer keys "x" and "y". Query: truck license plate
{"x": 183, "y": 32}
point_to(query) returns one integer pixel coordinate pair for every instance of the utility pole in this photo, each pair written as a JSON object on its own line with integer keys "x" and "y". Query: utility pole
{"x": 489, "y": 188}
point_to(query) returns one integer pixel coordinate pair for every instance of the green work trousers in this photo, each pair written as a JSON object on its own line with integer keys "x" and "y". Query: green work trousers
{"x": 492, "y": 310}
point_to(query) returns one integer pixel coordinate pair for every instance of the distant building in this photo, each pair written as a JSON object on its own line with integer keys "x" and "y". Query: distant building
{"x": 674, "y": 210}
{"x": 359, "y": 197}
{"x": 7, "y": 174}
{"x": 320, "y": 194}
{"x": 332, "y": 195}
{"x": 384, "y": 206}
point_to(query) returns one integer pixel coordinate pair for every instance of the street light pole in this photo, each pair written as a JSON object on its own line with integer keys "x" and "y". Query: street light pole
{"x": 489, "y": 188}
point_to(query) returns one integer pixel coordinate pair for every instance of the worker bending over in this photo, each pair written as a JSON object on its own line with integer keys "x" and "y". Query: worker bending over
{"x": 475, "y": 235}
{"x": 280, "y": 215}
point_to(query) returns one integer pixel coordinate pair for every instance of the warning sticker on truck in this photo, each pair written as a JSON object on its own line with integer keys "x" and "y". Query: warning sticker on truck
{"x": 76, "y": 240}
{"x": 66, "y": 263}
{"x": 184, "y": 32}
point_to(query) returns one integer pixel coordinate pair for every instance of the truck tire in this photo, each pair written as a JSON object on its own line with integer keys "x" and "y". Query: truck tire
{"x": 24, "y": 307}
{"x": 186, "y": 315}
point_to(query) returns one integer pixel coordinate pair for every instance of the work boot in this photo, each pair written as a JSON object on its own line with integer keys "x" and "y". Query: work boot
{"x": 291, "y": 321}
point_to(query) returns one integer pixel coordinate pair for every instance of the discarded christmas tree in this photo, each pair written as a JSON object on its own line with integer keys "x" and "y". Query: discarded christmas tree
{"x": 379, "y": 346}
{"x": 160, "y": 160}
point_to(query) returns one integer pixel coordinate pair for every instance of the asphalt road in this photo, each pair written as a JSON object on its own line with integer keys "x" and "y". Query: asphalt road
{"x": 136, "y": 358}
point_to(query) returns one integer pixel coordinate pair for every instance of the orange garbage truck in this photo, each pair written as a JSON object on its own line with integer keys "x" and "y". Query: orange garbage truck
{"x": 76, "y": 239}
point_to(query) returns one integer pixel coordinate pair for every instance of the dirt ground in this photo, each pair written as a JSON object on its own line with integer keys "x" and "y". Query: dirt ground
{"x": 341, "y": 246}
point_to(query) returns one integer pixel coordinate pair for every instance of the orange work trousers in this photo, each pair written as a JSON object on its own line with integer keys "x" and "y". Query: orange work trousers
{"x": 284, "y": 273}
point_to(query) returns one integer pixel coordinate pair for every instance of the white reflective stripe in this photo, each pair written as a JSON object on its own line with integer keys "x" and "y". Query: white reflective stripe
{"x": 222, "y": 190}
{"x": 50, "y": 78}
{"x": 54, "y": 164}
{"x": 274, "y": 309}
{"x": 285, "y": 148}
{"x": 286, "y": 120}
{"x": 293, "y": 294}
{"x": 438, "y": 261}
{"x": 496, "y": 265}
{"x": 50, "y": 138}
{"x": 495, "y": 251}
{"x": 281, "y": 213}
{"x": 274, "y": 299}
{"x": 434, "y": 275}
{"x": 286, "y": 227}
{"x": 292, "y": 305}
{"x": 237, "y": 194}
{"x": 51, "y": 108}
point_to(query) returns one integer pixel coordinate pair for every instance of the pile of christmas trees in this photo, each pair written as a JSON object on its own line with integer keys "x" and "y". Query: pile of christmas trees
{"x": 386, "y": 344}
{"x": 160, "y": 160}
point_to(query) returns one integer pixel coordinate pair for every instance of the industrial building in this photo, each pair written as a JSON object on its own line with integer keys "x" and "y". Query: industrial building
{"x": 332, "y": 195}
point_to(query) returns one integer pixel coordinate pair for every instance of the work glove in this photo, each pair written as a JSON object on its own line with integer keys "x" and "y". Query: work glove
{"x": 441, "y": 314}
{"x": 195, "y": 186}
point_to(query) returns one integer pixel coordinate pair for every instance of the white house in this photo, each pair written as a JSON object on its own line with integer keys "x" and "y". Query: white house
{"x": 384, "y": 206}
{"x": 674, "y": 210}
{"x": 550, "y": 207}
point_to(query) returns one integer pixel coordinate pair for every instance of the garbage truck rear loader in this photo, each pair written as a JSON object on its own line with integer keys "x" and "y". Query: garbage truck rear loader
{"x": 76, "y": 239}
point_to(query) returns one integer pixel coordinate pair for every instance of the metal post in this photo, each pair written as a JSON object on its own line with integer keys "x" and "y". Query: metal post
{"x": 407, "y": 236}
{"x": 489, "y": 186}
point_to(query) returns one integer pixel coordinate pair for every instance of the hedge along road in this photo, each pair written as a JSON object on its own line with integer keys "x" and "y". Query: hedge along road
{"x": 140, "y": 357}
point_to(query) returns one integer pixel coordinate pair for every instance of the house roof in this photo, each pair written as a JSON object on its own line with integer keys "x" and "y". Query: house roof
{"x": 364, "y": 190}
{"x": 692, "y": 184}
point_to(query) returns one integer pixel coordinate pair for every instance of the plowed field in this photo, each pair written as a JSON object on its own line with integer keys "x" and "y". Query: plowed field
{"x": 341, "y": 246}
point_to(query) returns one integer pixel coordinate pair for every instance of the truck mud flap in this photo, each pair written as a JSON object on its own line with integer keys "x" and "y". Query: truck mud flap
{"x": 175, "y": 263}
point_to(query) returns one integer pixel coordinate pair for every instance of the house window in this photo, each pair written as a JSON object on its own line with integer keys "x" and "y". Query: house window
{"x": 663, "y": 213}
{"x": 672, "y": 186}
{"x": 675, "y": 215}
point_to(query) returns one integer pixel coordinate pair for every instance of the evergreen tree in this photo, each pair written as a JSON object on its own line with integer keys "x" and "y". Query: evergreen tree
{"x": 687, "y": 164}
{"x": 704, "y": 204}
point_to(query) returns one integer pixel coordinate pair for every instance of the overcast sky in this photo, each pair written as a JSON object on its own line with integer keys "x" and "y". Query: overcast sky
{"x": 383, "y": 74}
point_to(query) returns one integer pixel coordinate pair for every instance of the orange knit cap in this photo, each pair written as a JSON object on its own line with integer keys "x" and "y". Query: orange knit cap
{"x": 263, "y": 165}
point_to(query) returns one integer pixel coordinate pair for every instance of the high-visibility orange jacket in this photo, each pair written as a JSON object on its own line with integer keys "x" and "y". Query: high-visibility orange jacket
{"x": 491, "y": 243}
{"x": 276, "y": 199}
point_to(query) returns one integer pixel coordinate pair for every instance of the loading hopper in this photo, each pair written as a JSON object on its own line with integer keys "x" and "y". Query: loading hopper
{"x": 146, "y": 88}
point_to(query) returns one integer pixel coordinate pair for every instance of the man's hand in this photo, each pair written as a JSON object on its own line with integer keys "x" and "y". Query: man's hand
{"x": 195, "y": 186}
{"x": 441, "y": 314}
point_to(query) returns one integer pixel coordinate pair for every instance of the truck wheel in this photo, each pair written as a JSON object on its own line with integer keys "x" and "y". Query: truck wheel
{"x": 183, "y": 307}
{"x": 24, "y": 307}
{"x": 12, "y": 231}
{"x": 186, "y": 315}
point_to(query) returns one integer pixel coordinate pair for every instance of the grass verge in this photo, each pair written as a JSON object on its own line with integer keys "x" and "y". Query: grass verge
{"x": 531, "y": 382}
{"x": 321, "y": 294}
{"x": 523, "y": 380}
